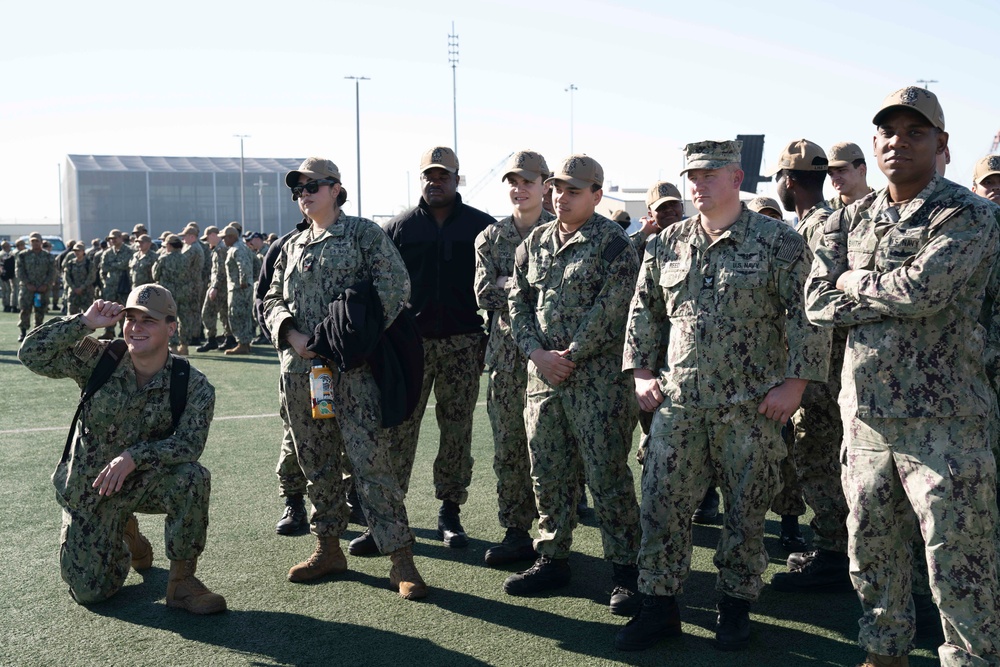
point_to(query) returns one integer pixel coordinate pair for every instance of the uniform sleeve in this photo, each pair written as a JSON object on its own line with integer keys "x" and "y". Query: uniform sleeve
{"x": 19, "y": 268}
{"x": 488, "y": 295}
{"x": 521, "y": 304}
{"x": 808, "y": 344}
{"x": 648, "y": 324}
{"x": 388, "y": 272}
{"x": 187, "y": 442}
{"x": 934, "y": 276}
{"x": 275, "y": 309}
{"x": 244, "y": 263}
{"x": 601, "y": 328}
{"x": 61, "y": 348}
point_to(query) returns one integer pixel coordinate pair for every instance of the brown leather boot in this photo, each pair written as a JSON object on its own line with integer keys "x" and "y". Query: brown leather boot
{"x": 404, "y": 576}
{"x": 185, "y": 591}
{"x": 328, "y": 558}
{"x": 875, "y": 660}
{"x": 242, "y": 348}
{"x": 138, "y": 546}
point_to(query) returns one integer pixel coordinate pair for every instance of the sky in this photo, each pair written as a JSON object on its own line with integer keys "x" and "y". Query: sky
{"x": 181, "y": 78}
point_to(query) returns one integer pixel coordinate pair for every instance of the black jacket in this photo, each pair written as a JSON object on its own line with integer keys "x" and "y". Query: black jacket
{"x": 442, "y": 266}
{"x": 352, "y": 334}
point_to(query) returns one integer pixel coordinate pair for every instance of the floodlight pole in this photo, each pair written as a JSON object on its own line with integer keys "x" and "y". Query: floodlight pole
{"x": 260, "y": 198}
{"x": 571, "y": 90}
{"x": 243, "y": 199}
{"x": 453, "y": 59}
{"x": 357, "y": 128}
{"x": 927, "y": 83}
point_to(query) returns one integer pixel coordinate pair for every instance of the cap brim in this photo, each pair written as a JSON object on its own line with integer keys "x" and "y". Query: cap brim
{"x": 882, "y": 112}
{"x": 523, "y": 173}
{"x": 707, "y": 164}
{"x": 450, "y": 170}
{"x": 149, "y": 311}
{"x": 839, "y": 163}
{"x": 292, "y": 177}
{"x": 980, "y": 179}
{"x": 660, "y": 202}
{"x": 571, "y": 182}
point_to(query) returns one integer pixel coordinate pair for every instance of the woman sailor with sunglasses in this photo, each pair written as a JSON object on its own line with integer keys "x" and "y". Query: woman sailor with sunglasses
{"x": 334, "y": 252}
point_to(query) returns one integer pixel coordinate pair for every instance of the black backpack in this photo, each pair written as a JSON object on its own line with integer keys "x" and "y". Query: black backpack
{"x": 107, "y": 364}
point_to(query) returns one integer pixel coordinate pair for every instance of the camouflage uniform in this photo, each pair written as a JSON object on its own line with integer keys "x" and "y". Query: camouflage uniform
{"x": 734, "y": 313}
{"x": 167, "y": 480}
{"x": 819, "y": 430}
{"x": 140, "y": 267}
{"x": 7, "y": 283}
{"x": 575, "y": 298}
{"x": 916, "y": 405}
{"x": 171, "y": 271}
{"x": 76, "y": 275}
{"x": 195, "y": 256}
{"x": 240, "y": 280}
{"x": 495, "y": 248}
{"x": 218, "y": 307}
{"x": 35, "y": 269}
{"x": 308, "y": 274}
{"x": 114, "y": 265}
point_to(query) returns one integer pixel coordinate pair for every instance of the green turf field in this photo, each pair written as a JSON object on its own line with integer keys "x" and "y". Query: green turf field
{"x": 354, "y": 619}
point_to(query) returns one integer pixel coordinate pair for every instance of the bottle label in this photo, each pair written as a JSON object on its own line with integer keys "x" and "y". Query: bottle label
{"x": 321, "y": 390}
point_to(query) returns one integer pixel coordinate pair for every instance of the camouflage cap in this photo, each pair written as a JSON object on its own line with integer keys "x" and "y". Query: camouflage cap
{"x": 987, "y": 166}
{"x": 237, "y": 225}
{"x": 439, "y": 156}
{"x": 529, "y": 165}
{"x": 139, "y": 229}
{"x": 152, "y": 299}
{"x": 711, "y": 154}
{"x": 660, "y": 193}
{"x": 315, "y": 168}
{"x": 800, "y": 155}
{"x": 190, "y": 230}
{"x": 173, "y": 240}
{"x": 621, "y": 215}
{"x": 921, "y": 100}
{"x": 579, "y": 171}
{"x": 195, "y": 225}
{"x": 144, "y": 237}
{"x": 211, "y": 229}
{"x": 758, "y": 204}
{"x": 844, "y": 154}
{"x": 34, "y": 236}
{"x": 114, "y": 234}
{"x": 230, "y": 230}
{"x": 78, "y": 246}
{"x": 164, "y": 235}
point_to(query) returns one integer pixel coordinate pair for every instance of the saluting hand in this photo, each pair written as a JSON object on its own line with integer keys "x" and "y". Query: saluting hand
{"x": 103, "y": 314}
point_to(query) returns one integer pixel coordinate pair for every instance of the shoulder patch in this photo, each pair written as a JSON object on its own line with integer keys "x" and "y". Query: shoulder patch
{"x": 833, "y": 222}
{"x": 615, "y": 248}
{"x": 790, "y": 248}
{"x": 88, "y": 348}
{"x": 521, "y": 256}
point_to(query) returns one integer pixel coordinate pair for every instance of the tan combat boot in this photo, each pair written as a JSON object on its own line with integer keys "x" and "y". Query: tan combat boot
{"x": 138, "y": 546}
{"x": 242, "y": 348}
{"x": 185, "y": 591}
{"x": 327, "y": 559}
{"x": 875, "y": 660}
{"x": 404, "y": 576}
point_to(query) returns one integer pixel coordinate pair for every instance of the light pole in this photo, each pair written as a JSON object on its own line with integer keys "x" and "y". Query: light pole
{"x": 927, "y": 83}
{"x": 570, "y": 90}
{"x": 260, "y": 198}
{"x": 243, "y": 201}
{"x": 357, "y": 128}
{"x": 453, "y": 59}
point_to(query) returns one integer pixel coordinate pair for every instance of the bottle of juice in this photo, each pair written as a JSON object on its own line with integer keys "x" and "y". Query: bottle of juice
{"x": 321, "y": 390}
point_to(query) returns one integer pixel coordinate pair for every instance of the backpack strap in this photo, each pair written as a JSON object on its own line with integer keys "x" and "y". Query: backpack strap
{"x": 180, "y": 372}
{"x": 106, "y": 365}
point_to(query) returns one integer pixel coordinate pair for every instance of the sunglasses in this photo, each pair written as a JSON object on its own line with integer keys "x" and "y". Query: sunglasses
{"x": 312, "y": 187}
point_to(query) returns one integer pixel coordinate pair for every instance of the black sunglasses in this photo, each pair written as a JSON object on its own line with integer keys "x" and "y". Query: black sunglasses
{"x": 312, "y": 187}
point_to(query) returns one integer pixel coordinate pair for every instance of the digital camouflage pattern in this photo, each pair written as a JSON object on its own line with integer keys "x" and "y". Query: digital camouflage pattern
{"x": 732, "y": 313}
{"x": 140, "y": 267}
{"x": 818, "y": 428}
{"x": 195, "y": 256}
{"x": 575, "y": 298}
{"x": 290, "y": 479}
{"x": 217, "y": 308}
{"x": 495, "y": 247}
{"x": 33, "y": 268}
{"x": 79, "y": 275}
{"x": 171, "y": 271}
{"x": 916, "y": 405}
{"x": 310, "y": 272}
{"x": 121, "y": 417}
{"x": 114, "y": 265}
{"x": 452, "y": 367}
{"x": 239, "y": 281}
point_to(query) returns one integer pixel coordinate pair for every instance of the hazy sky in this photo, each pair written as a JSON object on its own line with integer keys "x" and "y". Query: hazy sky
{"x": 181, "y": 78}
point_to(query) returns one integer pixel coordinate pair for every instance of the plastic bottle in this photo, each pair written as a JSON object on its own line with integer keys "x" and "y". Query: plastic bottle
{"x": 321, "y": 390}
{"x": 38, "y": 299}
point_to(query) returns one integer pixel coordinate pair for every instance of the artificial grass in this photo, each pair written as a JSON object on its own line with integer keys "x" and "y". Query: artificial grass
{"x": 354, "y": 618}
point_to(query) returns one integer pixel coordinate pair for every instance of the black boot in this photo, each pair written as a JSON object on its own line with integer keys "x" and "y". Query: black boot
{"x": 732, "y": 631}
{"x": 825, "y": 572}
{"x": 228, "y": 343}
{"x": 791, "y": 538}
{"x": 658, "y": 618}
{"x": 24, "y": 332}
{"x": 450, "y": 527}
{"x": 208, "y": 346}
{"x": 545, "y": 575}
{"x": 364, "y": 545}
{"x": 294, "y": 519}
{"x": 708, "y": 511}
{"x": 625, "y": 598}
{"x": 582, "y": 508}
{"x": 517, "y": 545}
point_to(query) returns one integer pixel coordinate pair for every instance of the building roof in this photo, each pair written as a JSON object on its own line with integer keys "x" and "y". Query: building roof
{"x": 201, "y": 165}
